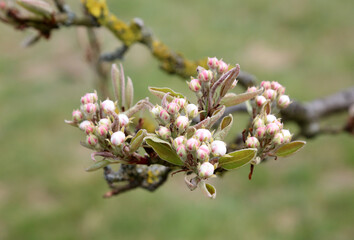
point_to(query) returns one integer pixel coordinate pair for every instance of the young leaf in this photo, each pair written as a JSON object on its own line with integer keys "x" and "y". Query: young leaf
{"x": 232, "y": 99}
{"x": 160, "y": 93}
{"x": 137, "y": 140}
{"x": 115, "y": 82}
{"x": 215, "y": 117}
{"x": 164, "y": 150}
{"x": 237, "y": 159}
{"x": 208, "y": 190}
{"x": 98, "y": 165}
{"x": 122, "y": 84}
{"x": 226, "y": 85}
{"x": 130, "y": 93}
{"x": 289, "y": 148}
{"x": 224, "y": 127}
{"x": 38, "y": 7}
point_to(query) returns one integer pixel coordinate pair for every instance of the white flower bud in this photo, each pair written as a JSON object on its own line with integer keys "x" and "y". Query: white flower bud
{"x": 223, "y": 67}
{"x": 275, "y": 85}
{"x": 203, "y": 152}
{"x": 252, "y": 142}
{"x": 178, "y": 141}
{"x": 192, "y": 110}
{"x": 194, "y": 85}
{"x": 182, "y": 123}
{"x": 123, "y": 120}
{"x": 278, "y": 138}
{"x": 164, "y": 115}
{"x": 206, "y": 170}
{"x": 180, "y": 101}
{"x": 287, "y": 135}
{"x": 164, "y": 132}
{"x": 156, "y": 111}
{"x": 89, "y": 109}
{"x": 270, "y": 94}
{"x": 118, "y": 138}
{"x": 260, "y": 100}
{"x": 258, "y": 122}
{"x": 108, "y": 106}
{"x": 205, "y": 75}
{"x": 218, "y": 148}
{"x": 102, "y": 130}
{"x": 203, "y": 135}
{"x": 283, "y": 101}
{"x": 87, "y": 126}
{"x": 91, "y": 140}
{"x": 272, "y": 129}
{"x": 89, "y": 98}
{"x": 77, "y": 116}
{"x": 266, "y": 84}
{"x": 260, "y": 132}
{"x": 213, "y": 63}
{"x": 181, "y": 151}
{"x": 105, "y": 122}
{"x": 251, "y": 89}
{"x": 271, "y": 118}
{"x": 173, "y": 108}
{"x": 192, "y": 144}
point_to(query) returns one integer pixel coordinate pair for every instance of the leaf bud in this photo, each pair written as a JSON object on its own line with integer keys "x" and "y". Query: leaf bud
{"x": 206, "y": 170}
{"x": 203, "y": 152}
{"x": 218, "y": 148}
{"x": 252, "y": 142}
{"x": 123, "y": 120}
{"x": 173, "y": 108}
{"x": 194, "y": 85}
{"x": 77, "y": 116}
{"x": 203, "y": 135}
{"x": 108, "y": 106}
{"x": 178, "y": 141}
{"x": 192, "y": 110}
{"x": 205, "y": 75}
{"x": 118, "y": 138}
{"x": 182, "y": 123}
{"x": 270, "y": 94}
{"x": 192, "y": 144}
{"x": 91, "y": 140}
{"x": 272, "y": 129}
{"x": 283, "y": 101}
{"x": 213, "y": 63}
{"x": 260, "y": 100}
{"x": 266, "y": 84}
{"x": 164, "y": 132}
{"x": 164, "y": 115}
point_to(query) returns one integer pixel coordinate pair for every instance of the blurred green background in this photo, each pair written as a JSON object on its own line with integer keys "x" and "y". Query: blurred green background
{"x": 46, "y": 194}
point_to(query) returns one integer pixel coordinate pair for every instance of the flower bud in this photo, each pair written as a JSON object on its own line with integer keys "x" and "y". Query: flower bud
{"x": 279, "y": 123}
{"x": 203, "y": 135}
{"x": 102, "y": 130}
{"x": 89, "y": 109}
{"x": 283, "y": 101}
{"x": 91, "y": 140}
{"x": 118, "y": 138}
{"x": 251, "y": 89}
{"x": 223, "y": 67}
{"x": 270, "y": 94}
{"x": 203, "y": 152}
{"x": 180, "y": 101}
{"x": 173, "y": 108}
{"x": 164, "y": 132}
{"x": 275, "y": 85}
{"x": 205, "y": 75}
{"x": 164, "y": 115}
{"x": 194, "y": 85}
{"x": 181, "y": 151}
{"x": 260, "y": 100}
{"x": 89, "y": 98}
{"x": 260, "y": 132}
{"x": 213, "y": 63}
{"x": 123, "y": 120}
{"x": 272, "y": 129}
{"x": 182, "y": 123}
{"x": 258, "y": 122}
{"x": 108, "y": 106}
{"x": 105, "y": 122}
{"x": 77, "y": 116}
{"x": 281, "y": 90}
{"x": 278, "y": 138}
{"x": 192, "y": 110}
{"x": 218, "y": 148}
{"x": 156, "y": 111}
{"x": 206, "y": 170}
{"x": 287, "y": 135}
{"x": 87, "y": 126}
{"x": 252, "y": 142}
{"x": 266, "y": 84}
{"x": 192, "y": 144}
{"x": 178, "y": 141}
{"x": 271, "y": 118}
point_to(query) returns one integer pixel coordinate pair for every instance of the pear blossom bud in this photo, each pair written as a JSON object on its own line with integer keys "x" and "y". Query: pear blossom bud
{"x": 205, "y": 75}
{"x": 271, "y": 118}
{"x": 272, "y": 129}
{"x": 256, "y": 161}
{"x": 182, "y": 123}
{"x": 223, "y": 67}
{"x": 270, "y": 94}
{"x": 192, "y": 144}
{"x": 181, "y": 151}
{"x": 258, "y": 122}
{"x": 279, "y": 123}
{"x": 105, "y": 122}
{"x": 266, "y": 84}
{"x": 275, "y": 85}
{"x": 251, "y": 89}
{"x": 118, "y": 138}
{"x": 203, "y": 135}
{"x": 192, "y": 110}
{"x": 173, "y": 108}
{"x": 218, "y": 148}
{"x": 77, "y": 116}
{"x": 194, "y": 85}
{"x": 89, "y": 98}
{"x": 123, "y": 120}
{"x": 156, "y": 111}
{"x": 102, "y": 130}
{"x": 203, "y": 152}
{"x": 283, "y": 101}
{"x": 287, "y": 135}
{"x": 252, "y": 142}
{"x": 178, "y": 141}
{"x": 260, "y": 100}
{"x": 91, "y": 140}
{"x": 206, "y": 170}
{"x": 108, "y": 106}
{"x": 213, "y": 63}
{"x": 89, "y": 109}
{"x": 164, "y": 115}
{"x": 281, "y": 90}
{"x": 87, "y": 126}
{"x": 180, "y": 101}
{"x": 278, "y": 138}
{"x": 260, "y": 132}
{"x": 164, "y": 132}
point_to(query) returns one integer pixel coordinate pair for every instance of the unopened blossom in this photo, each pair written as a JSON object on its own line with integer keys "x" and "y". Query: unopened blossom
{"x": 192, "y": 110}
{"x": 270, "y": 94}
{"x": 252, "y": 142}
{"x": 77, "y": 116}
{"x": 180, "y": 101}
{"x": 275, "y": 85}
{"x": 281, "y": 90}
{"x": 203, "y": 135}
{"x": 272, "y": 129}
{"x": 89, "y": 98}
{"x": 173, "y": 108}
{"x": 223, "y": 67}
{"x": 194, "y": 85}
{"x": 203, "y": 152}
{"x": 164, "y": 132}
{"x": 156, "y": 111}
{"x": 87, "y": 126}
{"x": 178, "y": 141}
{"x": 164, "y": 115}
{"x": 260, "y": 100}
{"x": 91, "y": 140}
{"x": 213, "y": 63}
{"x": 271, "y": 118}
{"x": 102, "y": 130}
{"x": 123, "y": 120}
{"x": 108, "y": 106}
{"x": 287, "y": 135}
{"x": 118, "y": 138}
{"x": 258, "y": 122}
{"x": 89, "y": 109}
{"x": 260, "y": 132}
{"x": 218, "y": 148}
{"x": 192, "y": 144}
{"x": 278, "y": 138}
{"x": 283, "y": 101}
{"x": 105, "y": 122}
{"x": 182, "y": 122}
{"x": 205, "y": 75}
{"x": 181, "y": 151}
{"x": 206, "y": 170}
{"x": 266, "y": 84}
{"x": 252, "y": 89}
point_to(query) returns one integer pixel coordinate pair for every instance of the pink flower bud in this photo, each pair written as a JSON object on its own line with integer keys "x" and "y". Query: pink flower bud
{"x": 182, "y": 123}
{"x": 272, "y": 129}
{"x": 89, "y": 98}
{"x": 205, "y": 75}
{"x": 252, "y": 142}
{"x": 203, "y": 152}
{"x": 118, "y": 138}
{"x": 180, "y": 101}
{"x": 251, "y": 89}
{"x": 203, "y": 135}
{"x": 271, "y": 118}
{"x": 192, "y": 144}
{"x": 275, "y": 85}
{"x": 105, "y": 122}
{"x": 156, "y": 111}
{"x": 108, "y": 106}
{"x": 278, "y": 138}
{"x": 218, "y": 148}
{"x": 281, "y": 90}
{"x": 102, "y": 130}
{"x": 223, "y": 67}
{"x": 287, "y": 135}
{"x": 258, "y": 122}
{"x": 87, "y": 126}
{"x": 164, "y": 115}
{"x": 266, "y": 84}
{"x": 178, "y": 141}
{"x": 91, "y": 140}
{"x": 270, "y": 94}
{"x": 283, "y": 101}
{"x": 173, "y": 108}
{"x": 194, "y": 85}
{"x": 206, "y": 170}
{"x": 164, "y": 132}
{"x": 123, "y": 120}
{"x": 192, "y": 110}
{"x": 260, "y": 100}
{"x": 89, "y": 109}
{"x": 181, "y": 151}
{"x": 260, "y": 132}
{"x": 279, "y": 123}
{"x": 213, "y": 63}
{"x": 77, "y": 116}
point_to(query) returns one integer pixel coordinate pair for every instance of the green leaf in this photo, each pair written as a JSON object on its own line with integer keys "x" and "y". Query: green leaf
{"x": 208, "y": 189}
{"x": 164, "y": 150}
{"x": 137, "y": 140}
{"x": 232, "y": 99}
{"x": 224, "y": 127}
{"x": 98, "y": 165}
{"x": 289, "y": 148}
{"x": 160, "y": 93}
{"x": 237, "y": 159}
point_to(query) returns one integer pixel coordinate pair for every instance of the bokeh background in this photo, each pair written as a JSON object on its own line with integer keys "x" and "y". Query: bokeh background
{"x": 46, "y": 194}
